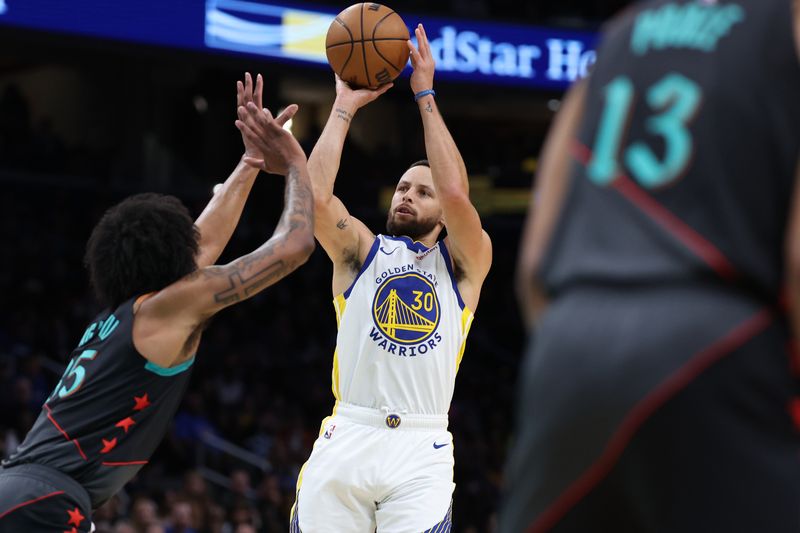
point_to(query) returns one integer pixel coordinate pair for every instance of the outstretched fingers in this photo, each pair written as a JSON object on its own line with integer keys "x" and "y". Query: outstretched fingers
{"x": 247, "y": 92}
{"x": 248, "y": 88}
{"x": 287, "y": 114}
{"x": 250, "y": 120}
{"x": 422, "y": 39}
{"x": 257, "y": 95}
{"x": 414, "y": 53}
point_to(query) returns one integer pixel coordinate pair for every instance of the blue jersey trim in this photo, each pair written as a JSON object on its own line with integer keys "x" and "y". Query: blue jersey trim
{"x": 449, "y": 265}
{"x": 367, "y": 261}
{"x": 415, "y": 246}
{"x": 171, "y": 371}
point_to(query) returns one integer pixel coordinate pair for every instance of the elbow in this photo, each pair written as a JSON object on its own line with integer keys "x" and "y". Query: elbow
{"x": 322, "y": 195}
{"x": 302, "y": 248}
{"x": 322, "y": 200}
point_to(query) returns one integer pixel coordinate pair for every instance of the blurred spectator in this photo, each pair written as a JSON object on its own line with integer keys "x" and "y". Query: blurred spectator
{"x": 181, "y": 519}
{"x": 144, "y": 513}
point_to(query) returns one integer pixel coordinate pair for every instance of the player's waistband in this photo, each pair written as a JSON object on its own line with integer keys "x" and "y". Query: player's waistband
{"x": 53, "y": 477}
{"x": 388, "y": 419}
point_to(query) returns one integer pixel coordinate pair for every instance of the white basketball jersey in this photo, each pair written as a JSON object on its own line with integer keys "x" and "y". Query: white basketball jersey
{"x": 402, "y": 330}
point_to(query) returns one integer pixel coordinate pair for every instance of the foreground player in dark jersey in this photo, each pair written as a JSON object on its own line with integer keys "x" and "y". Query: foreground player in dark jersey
{"x": 154, "y": 269}
{"x": 659, "y": 391}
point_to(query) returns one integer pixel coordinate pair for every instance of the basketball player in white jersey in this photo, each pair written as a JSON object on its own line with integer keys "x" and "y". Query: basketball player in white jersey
{"x": 404, "y": 302}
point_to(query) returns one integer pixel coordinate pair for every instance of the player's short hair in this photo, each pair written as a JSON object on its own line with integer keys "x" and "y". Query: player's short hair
{"x": 141, "y": 245}
{"x": 420, "y": 163}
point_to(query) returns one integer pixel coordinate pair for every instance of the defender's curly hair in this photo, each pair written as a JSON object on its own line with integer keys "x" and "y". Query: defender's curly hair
{"x": 141, "y": 245}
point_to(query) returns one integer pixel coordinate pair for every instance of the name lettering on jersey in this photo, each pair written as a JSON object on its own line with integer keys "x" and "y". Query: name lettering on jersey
{"x": 406, "y": 268}
{"x": 698, "y": 26}
{"x": 406, "y": 312}
{"x": 103, "y": 328}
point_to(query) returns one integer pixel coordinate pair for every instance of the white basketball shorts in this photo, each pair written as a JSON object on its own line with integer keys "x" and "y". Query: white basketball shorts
{"x": 377, "y": 470}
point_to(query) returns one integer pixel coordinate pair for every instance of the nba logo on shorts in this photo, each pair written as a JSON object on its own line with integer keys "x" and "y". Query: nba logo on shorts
{"x": 329, "y": 431}
{"x": 393, "y": 421}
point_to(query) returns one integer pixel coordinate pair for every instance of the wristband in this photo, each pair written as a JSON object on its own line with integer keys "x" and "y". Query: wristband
{"x": 424, "y": 93}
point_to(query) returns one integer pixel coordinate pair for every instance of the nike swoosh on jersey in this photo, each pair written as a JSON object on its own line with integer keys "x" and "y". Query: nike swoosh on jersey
{"x": 390, "y": 253}
{"x": 437, "y": 446}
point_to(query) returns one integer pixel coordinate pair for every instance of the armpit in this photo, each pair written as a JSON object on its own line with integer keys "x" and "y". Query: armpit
{"x": 458, "y": 271}
{"x": 351, "y": 259}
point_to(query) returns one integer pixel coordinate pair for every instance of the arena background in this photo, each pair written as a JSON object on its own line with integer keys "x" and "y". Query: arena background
{"x": 88, "y": 120}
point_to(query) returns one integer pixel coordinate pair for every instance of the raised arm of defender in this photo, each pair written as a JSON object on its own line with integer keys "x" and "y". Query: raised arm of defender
{"x": 166, "y": 324}
{"x": 221, "y": 216}
{"x": 468, "y": 243}
{"x": 344, "y": 238}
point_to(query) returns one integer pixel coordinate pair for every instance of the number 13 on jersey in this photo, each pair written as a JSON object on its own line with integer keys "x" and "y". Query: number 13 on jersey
{"x": 674, "y": 101}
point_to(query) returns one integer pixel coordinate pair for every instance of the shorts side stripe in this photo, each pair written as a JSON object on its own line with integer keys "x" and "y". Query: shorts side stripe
{"x": 446, "y": 524}
{"x": 29, "y": 502}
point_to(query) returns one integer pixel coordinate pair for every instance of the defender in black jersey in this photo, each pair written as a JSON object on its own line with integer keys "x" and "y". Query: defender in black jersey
{"x": 154, "y": 269}
{"x": 661, "y": 265}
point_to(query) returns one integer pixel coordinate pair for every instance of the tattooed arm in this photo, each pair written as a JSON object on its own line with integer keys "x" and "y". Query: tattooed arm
{"x": 344, "y": 238}
{"x": 166, "y": 324}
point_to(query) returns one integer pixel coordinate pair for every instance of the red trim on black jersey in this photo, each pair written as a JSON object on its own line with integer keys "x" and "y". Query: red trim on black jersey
{"x": 60, "y": 429}
{"x": 124, "y": 463}
{"x": 698, "y": 244}
{"x": 642, "y": 411}
{"x": 23, "y": 504}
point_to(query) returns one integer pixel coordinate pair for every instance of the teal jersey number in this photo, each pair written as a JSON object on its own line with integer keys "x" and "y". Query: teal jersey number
{"x": 674, "y": 100}
{"x": 76, "y": 373}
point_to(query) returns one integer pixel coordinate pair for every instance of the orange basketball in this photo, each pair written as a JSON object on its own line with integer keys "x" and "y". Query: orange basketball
{"x": 366, "y": 45}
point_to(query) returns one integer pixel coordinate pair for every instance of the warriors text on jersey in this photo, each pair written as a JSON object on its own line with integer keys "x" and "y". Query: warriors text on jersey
{"x": 108, "y": 412}
{"x": 402, "y": 330}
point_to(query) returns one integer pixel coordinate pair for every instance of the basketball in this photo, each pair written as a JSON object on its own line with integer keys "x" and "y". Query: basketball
{"x": 366, "y": 45}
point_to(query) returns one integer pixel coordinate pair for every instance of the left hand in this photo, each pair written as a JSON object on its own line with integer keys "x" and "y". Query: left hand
{"x": 246, "y": 94}
{"x": 277, "y": 150}
{"x": 422, "y": 62}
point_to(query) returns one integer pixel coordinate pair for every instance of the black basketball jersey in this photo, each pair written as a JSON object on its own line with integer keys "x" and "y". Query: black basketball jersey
{"x": 685, "y": 159}
{"x": 109, "y": 411}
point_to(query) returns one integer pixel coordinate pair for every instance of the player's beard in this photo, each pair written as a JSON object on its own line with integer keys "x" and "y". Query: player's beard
{"x": 414, "y": 228}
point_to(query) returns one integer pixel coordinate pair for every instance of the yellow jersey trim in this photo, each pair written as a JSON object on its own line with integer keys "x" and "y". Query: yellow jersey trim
{"x": 466, "y": 323}
{"x": 339, "y": 303}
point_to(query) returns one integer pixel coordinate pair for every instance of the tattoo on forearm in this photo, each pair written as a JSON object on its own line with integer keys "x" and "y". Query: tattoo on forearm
{"x": 342, "y": 223}
{"x": 243, "y": 287}
{"x": 299, "y": 201}
{"x": 429, "y": 108}
{"x": 344, "y": 114}
{"x": 255, "y": 271}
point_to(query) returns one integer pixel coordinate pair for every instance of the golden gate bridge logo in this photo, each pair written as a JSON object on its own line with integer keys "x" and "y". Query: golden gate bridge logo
{"x": 406, "y": 308}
